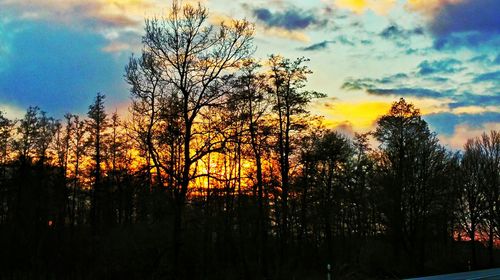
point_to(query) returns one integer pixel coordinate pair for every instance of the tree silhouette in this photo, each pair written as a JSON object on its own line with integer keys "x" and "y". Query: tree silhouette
{"x": 221, "y": 172}
{"x": 194, "y": 58}
{"x": 414, "y": 164}
{"x": 288, "y": 79}
{"x": 97, "y": 124}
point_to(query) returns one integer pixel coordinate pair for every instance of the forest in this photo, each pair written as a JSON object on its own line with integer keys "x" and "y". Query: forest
{"x": 221, "y": 172}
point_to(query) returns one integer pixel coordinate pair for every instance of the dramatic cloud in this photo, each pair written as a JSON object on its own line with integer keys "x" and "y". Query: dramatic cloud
{"x": 59, "y": 53}
{"x": 457, "y": 23}
{"x": 467, "y": 16}
{"x": 291, "y": 19}
{"x": 445, "y": 66}
{"x": 458, "y": 90}
{"x": 287, "y": 22}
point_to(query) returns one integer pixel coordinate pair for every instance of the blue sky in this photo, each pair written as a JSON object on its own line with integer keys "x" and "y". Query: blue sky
{"x": 442, "y": 55}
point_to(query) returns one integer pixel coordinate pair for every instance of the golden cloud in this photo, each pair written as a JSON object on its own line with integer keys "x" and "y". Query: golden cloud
{"x": 381, "y": 7}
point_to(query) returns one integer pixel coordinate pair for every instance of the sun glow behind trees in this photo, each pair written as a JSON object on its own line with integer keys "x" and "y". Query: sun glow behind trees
{"x": 221, "y": 157}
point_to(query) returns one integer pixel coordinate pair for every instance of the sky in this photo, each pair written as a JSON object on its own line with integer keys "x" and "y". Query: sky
{"x": 441, "y": 55}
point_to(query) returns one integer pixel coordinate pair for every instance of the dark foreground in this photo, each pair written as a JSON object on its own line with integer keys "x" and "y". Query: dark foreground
{"x": 493, "y": 273}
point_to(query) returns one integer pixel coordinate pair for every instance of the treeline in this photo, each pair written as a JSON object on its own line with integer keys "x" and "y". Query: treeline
{"x": 221, "y": 173}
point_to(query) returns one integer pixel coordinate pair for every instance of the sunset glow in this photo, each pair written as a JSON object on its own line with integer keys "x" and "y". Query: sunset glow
{"x": 236, "y": 139}
{"x": 383, "y": 49}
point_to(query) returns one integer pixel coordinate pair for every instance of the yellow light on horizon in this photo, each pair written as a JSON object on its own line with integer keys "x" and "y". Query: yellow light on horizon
{"x": 360, "y": 115}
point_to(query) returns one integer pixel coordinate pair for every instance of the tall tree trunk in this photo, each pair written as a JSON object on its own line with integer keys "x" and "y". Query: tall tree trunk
{"x": 180, "y": 194}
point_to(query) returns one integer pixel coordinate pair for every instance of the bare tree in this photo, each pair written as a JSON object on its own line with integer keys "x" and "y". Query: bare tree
{"x": 472, "y": 200}
{"x": 481, "y": 163}
{"x": 194, "y": 59}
